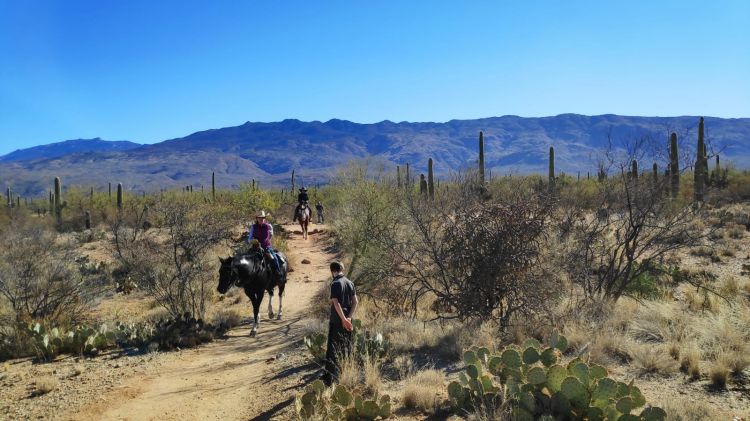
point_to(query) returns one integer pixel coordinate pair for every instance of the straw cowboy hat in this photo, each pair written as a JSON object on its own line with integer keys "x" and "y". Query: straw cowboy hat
{"x": 302, "y": 189}
{"x": 261, "y": 214}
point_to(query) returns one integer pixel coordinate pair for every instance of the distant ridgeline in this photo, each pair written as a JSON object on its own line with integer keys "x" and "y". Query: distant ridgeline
{"x": 268, "y": 152}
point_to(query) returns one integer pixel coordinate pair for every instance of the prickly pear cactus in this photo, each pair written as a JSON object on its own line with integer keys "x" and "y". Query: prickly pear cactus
{"x": 317, "y": 402}
{"x": 533, "y": 383}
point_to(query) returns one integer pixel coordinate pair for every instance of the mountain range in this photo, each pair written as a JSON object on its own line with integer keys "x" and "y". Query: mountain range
{"x": 268, "y": 152}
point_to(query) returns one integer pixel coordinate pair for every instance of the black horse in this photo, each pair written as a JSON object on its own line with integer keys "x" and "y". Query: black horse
{"x": 255, "y": 275}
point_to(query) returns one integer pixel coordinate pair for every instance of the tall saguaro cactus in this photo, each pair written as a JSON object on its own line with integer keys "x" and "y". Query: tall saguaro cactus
{"x": 655, "y": 174}
{"x": 10, "y": 198}
{"x": 398, "y": 176}
{"x": 674, "y": 166}
{"x": 110, "y": 191}
{"x": 551, "y": 174}
{"x": 430, "y": 179}
{"x": 481, "y": 157}
{"x": 293, "y": 190}
{"x": 119, "y": 196}
{"x": 699, "y": 177}
{"x": 58, "y": 200}
{"x": 213, "y": 186}
{"x": 407, "y": 182}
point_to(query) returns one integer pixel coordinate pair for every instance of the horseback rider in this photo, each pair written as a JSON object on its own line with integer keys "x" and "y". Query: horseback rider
{"x": 262, "y": 231}
{"x": 302, "y": 199}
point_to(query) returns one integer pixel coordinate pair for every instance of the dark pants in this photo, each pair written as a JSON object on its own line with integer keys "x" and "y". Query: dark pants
{"x": 320, "y": 217}
{"x": 339, "y": 344}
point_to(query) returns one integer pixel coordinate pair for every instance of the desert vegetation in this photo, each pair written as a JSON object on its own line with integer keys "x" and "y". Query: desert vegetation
{"x": 506, "y": 297}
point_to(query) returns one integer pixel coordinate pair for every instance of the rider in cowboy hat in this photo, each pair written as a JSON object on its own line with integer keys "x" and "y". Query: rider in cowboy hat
{"x": 262, "y": 231}
{"x": 302, "y": 198}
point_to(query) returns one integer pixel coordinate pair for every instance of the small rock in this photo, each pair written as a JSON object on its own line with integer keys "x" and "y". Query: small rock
{"x": 305, "y": 261}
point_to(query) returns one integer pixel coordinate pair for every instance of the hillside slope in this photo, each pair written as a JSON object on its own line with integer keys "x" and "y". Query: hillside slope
{"x": 269, "y": 151}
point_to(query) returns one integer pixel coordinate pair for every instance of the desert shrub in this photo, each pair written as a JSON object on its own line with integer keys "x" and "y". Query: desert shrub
{"x": 39, "y": 277}
{"x": 172, "y": 262}
{"x": 637, "y": 225}
{"x": 424, "y": 390}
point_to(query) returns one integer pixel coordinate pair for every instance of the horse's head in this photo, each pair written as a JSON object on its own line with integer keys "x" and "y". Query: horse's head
{"x": 227, "y": 276}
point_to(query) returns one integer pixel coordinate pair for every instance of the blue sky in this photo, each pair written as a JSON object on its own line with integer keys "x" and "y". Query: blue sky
{"x": 151, "y": 70}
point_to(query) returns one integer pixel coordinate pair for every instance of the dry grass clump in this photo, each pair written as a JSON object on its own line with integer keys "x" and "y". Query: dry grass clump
{"x": 404, "y": 366}
{"x": 690, "y": 362}
{"x": 424, "y": 390}
{"x": 610, "y": 345}
{"x": 736, "y": 231}
{"x": 719, "y": 374}
{"x": 578, "y": 336}
{"x": 651, "y": 359}
{"x": 45, "y": 384}
{"x": 727, "y": 252}
{"x": 348, "y": 371}
{"x": 229, "y": 316}
{"x": 372, "y": 374}
{"x": 729, "y": 287}
{"x": 681, "y": 409}
{"x": 703, "y": 251}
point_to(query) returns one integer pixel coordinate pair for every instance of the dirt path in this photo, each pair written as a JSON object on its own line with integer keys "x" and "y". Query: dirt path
{"x": 227, "y": 379}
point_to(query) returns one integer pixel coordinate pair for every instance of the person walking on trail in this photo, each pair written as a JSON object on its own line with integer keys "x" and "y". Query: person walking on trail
{"x": 343, "y": 305}
{"x": 319, "y": 210}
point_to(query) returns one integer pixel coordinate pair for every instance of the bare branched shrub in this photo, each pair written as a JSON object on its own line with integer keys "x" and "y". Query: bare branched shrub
{"x": 39, "y": 279}
{"x": 169, "y": 255}
{"x": 636, "y": 226}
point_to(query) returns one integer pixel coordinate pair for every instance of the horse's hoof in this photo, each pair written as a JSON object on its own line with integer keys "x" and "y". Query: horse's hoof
{"x": 270, "y": 316}
{"x": 278, "y": 317}
{"x": 253, "y": 333}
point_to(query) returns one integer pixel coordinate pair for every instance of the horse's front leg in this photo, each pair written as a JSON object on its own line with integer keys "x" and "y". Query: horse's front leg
{"x": 270, "y": 305}
{"x": 281, "y": 298}
{"x": 256, "y": 300}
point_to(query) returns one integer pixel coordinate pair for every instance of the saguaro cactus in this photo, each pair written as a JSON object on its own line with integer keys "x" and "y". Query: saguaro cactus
{"x": 10, "y": 198}
{"x": 110, "y": 190}
{"x": 655, "y": 171}
{"x": 551, "y": 174}
{"x": 481, "y": 157}
{"x": 430, "y": 179}
{"x": 674, "y": 166}
{"x": 293, "y": 190}
{"x": 699, "y": 177}
{"x": 119, "y": 196}
{"x": 88, "y": 220}
{"x": 213, "y": 186}
{"x": 58, "y": 200}
{"x": 51, "y": 202}
{"x": 398, "y": 176}
{"x": 407, "y": 183}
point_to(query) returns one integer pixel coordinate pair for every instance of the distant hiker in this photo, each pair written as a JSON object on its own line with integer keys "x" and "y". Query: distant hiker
{"x": 319, "y": 210}
{"x": 343, "y": 305}
{"x": 262, "y": 231}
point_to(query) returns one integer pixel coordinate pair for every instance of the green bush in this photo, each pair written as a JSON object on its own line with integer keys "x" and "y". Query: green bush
{"x": 531, "y": 383}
